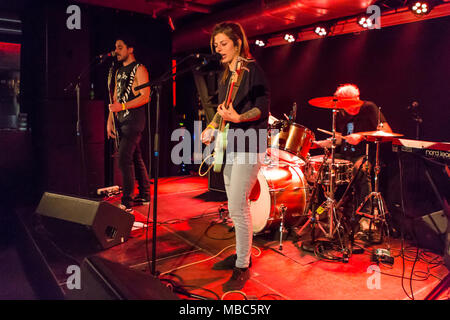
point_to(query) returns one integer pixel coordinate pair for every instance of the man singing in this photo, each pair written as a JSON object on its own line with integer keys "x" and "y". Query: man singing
{"x": 129, "y": 108}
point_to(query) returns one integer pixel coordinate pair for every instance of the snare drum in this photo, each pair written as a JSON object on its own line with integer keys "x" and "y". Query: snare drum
{"x": 292, "y": 141}
{"x": 278, "y": 186}
{"x": 344, "y": 170}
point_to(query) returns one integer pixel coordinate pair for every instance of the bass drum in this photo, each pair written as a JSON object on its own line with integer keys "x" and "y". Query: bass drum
{"x": 278, "y": 186}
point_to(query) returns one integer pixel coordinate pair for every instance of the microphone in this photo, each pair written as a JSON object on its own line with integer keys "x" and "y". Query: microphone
{"x": 211, "y": 57}
{"x": 106, "y": 55}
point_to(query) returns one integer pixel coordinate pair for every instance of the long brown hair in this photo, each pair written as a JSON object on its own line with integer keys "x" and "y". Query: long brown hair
{"x": 235, "y": 32}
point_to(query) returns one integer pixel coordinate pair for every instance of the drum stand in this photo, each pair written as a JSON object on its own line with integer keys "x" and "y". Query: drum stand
{"x": 283, "y": 209}
{"x": 313, "y": 218}
{"x": 331, "y": 201}
{"x": 375, "y": 199}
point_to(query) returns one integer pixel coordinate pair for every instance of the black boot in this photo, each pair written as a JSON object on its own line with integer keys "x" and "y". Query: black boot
{"x": 237, "y": 280}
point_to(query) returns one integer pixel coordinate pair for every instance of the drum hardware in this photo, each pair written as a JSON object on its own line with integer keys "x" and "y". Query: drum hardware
{"x": 313, "y": 217}
{"x": 375, "y": 199}
{"x": 223, "y": 216}
{"x": 335, "y": 104}
{"x": 283, "y": 209}
{"x": 365, "y": 161}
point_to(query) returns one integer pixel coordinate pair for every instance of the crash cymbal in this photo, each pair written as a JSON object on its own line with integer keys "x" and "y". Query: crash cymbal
{"x": 335, "y": 103}
{"x": 379, "y": 135}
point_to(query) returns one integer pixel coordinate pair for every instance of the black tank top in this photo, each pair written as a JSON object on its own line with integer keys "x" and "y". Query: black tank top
{"x": 124, "y": 82}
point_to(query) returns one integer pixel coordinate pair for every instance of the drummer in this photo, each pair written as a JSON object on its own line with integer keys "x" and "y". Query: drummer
{"x": 359, "y": 117}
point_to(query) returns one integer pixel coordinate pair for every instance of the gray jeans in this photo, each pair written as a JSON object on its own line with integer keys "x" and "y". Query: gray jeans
{"x": 240, "y": 174}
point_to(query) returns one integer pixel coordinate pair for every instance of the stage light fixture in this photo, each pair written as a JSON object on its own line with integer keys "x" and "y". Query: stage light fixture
{"x": 289, "y": 37}
{"x": 365, "y": 22}
{"x": 322, "y": 31}
{"x": 420, "y": 8}
{"x": 260, "y": 43}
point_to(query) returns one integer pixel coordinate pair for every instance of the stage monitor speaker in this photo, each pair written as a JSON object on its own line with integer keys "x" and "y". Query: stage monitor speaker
{"x": 68, "y": 216}
{"x": 102, "y": 279}
{"x": 215, "y": 181}
{"x": 431, "y": 231}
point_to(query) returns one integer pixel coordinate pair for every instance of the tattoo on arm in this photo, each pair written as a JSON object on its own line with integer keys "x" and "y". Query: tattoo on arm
{"x": 251, "y": 115}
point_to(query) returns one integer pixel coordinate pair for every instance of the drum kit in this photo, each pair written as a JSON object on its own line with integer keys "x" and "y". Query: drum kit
{"x": 289, "y": 180}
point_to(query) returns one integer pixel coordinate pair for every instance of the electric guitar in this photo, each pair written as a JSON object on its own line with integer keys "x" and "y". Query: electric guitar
{"x": 221, "y": 139}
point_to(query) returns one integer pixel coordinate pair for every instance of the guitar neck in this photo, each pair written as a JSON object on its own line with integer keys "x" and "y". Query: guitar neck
{"x": 230, "y": 90}
{"x": 228, "y": 97}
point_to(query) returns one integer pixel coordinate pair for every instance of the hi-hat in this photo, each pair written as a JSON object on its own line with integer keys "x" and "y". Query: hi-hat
{"x": 379, "y": 135}
{"x": 335, "y": 102}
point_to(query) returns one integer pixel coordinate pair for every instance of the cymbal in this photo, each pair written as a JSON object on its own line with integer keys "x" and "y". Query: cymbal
{"x": 379, "y": 135}
{"x": 335, "y": 103}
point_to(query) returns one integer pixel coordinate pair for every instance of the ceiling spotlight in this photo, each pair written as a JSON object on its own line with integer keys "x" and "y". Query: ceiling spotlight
{"x": 365, "y": 22}
{"x": 289, "y": 37}
{"x": 420, "y": 8}
{"x": 322, "y": 31}
{"x": 260, "y": 43}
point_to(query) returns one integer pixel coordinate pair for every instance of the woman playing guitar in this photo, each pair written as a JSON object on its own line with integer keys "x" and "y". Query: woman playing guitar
{"x": 243, "y": 84}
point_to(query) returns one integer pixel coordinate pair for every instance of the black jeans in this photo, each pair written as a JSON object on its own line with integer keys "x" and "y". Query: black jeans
{"x": 131, "y": 164}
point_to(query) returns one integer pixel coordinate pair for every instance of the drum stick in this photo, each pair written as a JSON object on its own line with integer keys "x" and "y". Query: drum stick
{"x": 331, "y": 133}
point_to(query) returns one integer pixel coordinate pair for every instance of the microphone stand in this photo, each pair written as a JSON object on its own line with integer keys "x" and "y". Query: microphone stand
{"x": 418, "y": 120}
{"x": 156, "y": 86}
{"x": 75, "y": 85}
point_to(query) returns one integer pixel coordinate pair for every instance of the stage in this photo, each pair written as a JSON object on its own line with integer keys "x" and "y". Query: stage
{"x": 191, "y": 237}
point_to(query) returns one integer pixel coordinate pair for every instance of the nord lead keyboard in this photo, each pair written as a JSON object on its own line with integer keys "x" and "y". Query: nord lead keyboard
{"x": 434, "y": 150}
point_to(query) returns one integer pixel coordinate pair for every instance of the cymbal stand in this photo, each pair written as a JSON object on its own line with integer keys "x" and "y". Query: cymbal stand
{"x": 331, "y": 201}
{"x": 378, "y": 205}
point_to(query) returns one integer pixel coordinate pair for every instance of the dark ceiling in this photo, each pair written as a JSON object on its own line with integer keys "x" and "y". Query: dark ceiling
{"x": 193, "y": 20}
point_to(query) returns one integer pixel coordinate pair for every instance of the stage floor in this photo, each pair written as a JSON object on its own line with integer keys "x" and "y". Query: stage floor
{"x": 190, "y": 239}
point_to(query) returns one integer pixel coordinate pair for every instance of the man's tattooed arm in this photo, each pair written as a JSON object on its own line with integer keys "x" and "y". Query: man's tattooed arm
{"x": 251, "y": 115}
